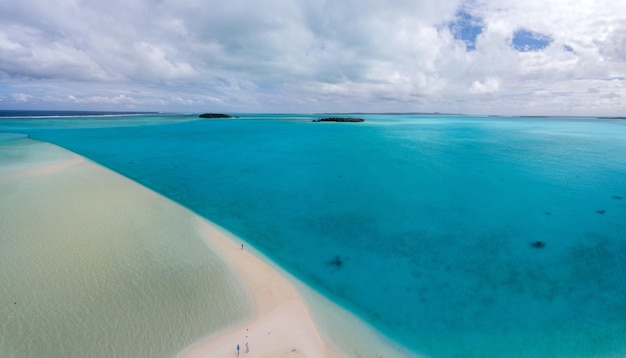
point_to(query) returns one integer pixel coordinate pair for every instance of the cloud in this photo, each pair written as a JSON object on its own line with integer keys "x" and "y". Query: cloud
{"x": 612, "y": 44}
{"x": 490, "y": 85}
{"x": 116, "y": 100}
{"x": 21, "y": 97}
{"x": 311, "y": 56}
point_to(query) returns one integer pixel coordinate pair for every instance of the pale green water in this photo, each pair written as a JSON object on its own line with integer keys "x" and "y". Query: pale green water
{"x": 94, "y": 265}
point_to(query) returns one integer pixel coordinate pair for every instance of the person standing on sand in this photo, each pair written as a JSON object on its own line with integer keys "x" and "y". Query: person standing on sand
{"x": 237, "y": 350}
{"x": 247, "y": 348}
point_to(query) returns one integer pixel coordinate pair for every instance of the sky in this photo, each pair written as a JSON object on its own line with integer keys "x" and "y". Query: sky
{"x": 508, "y": 57}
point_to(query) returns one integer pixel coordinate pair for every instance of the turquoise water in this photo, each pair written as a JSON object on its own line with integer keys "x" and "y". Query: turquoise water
{"x": 422, "y": 225}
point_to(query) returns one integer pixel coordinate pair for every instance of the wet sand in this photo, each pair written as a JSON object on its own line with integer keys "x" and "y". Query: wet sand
{"x": 98, "y": 265}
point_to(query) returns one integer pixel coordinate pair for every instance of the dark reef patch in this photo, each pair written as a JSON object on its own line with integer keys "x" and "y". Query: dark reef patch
{"x": 336, "y": 262}
{"x": 538, "y": 244}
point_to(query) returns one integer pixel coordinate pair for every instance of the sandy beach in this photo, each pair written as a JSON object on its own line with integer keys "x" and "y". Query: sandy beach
{"x": 100, "y": 257}
{"x": 291, "y": 319}
{"x": 282, "y": 326}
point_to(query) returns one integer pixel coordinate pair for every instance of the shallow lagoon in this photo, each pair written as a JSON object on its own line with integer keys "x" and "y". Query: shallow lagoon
{"x": 94, "y": 265}
{"x": 421, "y": 225}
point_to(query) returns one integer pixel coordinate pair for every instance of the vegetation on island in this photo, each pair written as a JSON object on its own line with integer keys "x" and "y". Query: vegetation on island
{"x": 339, "y": 119}
{"x": 214, "y": 115}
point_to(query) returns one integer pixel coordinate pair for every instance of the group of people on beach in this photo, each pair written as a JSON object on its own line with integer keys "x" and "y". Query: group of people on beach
{"x": 247, "y": 349}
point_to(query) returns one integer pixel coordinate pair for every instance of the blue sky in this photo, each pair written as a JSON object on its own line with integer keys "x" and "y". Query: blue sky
{"x": 554, "y": 57}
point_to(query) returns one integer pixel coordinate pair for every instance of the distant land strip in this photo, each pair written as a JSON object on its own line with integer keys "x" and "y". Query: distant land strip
{"x": 339, "y": 119}
{"x": 389, "y": 113}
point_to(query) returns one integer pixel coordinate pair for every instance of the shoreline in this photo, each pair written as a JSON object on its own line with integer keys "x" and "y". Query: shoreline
{"x": 289, "y": 318}
{"x": 282, "y": 324}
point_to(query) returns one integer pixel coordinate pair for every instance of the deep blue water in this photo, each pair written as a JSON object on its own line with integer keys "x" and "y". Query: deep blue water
{"x": 422, "y": 225}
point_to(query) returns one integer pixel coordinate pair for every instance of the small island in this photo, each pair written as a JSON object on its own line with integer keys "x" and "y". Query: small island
{"x": 339, "y": 119}
{"x": 214, "y": 115}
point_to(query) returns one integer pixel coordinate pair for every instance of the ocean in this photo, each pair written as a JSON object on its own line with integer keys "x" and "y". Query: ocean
{"x": 452, "y": 235}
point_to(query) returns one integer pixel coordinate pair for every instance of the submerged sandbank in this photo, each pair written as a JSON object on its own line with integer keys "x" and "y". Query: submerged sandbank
{"x": 291, "y": 319}
{"x": 282, "y": 325}
{"x": 94, "y": 265}
{"x": 97, "y": 265}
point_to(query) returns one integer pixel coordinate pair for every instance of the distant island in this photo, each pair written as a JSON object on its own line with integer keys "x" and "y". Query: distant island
{"x": 339, "y": 119}
{"x": 215, "y": 115}
{"x": 389, "y": 113}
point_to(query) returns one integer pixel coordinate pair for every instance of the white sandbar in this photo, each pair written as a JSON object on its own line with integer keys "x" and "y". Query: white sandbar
{"x": 97, "y": 265}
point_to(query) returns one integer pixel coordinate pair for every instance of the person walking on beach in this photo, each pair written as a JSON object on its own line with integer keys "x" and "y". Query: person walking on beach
{"x": 247, "y": 348}
{"x": 237, "y": 350}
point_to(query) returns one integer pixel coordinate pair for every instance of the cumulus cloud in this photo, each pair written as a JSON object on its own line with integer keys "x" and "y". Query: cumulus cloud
{"x": 322, "y": 55}
{"x": 490, "y": 85}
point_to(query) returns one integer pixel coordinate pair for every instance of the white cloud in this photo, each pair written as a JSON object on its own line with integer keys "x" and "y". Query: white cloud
{"x": 490, "y": 85}
{"x": 21, "y": 97}
{"x": 152, "y": 62}
{"x": 309, "y": 56}
{"x": 117, "y": 100}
